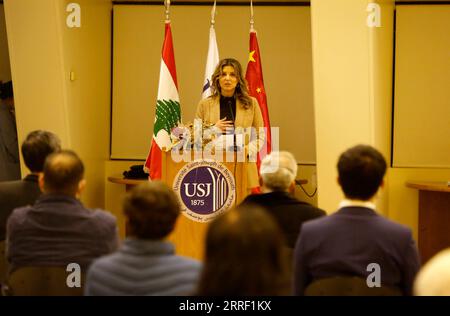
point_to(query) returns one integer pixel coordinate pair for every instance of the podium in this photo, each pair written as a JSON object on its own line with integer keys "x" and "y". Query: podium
{"x": 206, "y": 188}
{"x": 434, "y": 217}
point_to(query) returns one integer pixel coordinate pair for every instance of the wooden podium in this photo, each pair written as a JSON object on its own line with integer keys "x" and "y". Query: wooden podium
{"x": 434, "y": 217}
{"x": 189, "y": 235}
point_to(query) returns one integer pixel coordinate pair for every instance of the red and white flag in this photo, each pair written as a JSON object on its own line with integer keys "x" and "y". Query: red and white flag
{"x": 254, "y": 77}
{"x": 168, "y": 111}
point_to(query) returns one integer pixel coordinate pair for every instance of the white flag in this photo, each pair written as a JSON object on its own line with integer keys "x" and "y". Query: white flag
{"x": 211, "y": 62}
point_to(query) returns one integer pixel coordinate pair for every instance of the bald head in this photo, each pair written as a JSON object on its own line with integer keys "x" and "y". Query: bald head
{"x": 63, "y": 172}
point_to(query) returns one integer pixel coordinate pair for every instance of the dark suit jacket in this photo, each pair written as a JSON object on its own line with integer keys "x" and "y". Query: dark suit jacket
{"x": 346, "y": 242}
{"x": 289, "y": 212}
{"x": 9, "y": 149}
{"x": 15, "y": 194}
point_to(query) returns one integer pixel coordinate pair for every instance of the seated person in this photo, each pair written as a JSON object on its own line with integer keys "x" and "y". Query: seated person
{"x": 146, "y": 264}
{"x": 9, "y": 148}
{"x": 58, "y": 229}
{"x": 36, "y": 147}
{"x": 277, "y": 178}
{"x": 245, "y": 256}
{"x": 356, "y": 236}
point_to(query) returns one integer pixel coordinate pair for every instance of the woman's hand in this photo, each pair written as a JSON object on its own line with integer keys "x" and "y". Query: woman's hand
{"x": 223, "y": 124}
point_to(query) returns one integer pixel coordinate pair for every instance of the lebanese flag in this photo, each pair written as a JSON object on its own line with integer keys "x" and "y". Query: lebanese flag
{"x": 168, "y": 111}
{"x": 254, "y": 77}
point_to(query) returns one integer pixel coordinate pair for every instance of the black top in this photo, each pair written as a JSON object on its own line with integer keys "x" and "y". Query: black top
{"x": 289, "y": 212}
{"x": 228, "y": 108}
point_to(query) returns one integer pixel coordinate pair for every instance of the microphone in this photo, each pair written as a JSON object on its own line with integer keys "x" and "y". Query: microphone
{"x": 235, "y": 148}
{"x": 231, "y": 110}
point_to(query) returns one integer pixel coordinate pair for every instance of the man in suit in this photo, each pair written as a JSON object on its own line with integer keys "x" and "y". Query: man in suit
{"x": 36, "y": 147}
{"x": 9, "y": 149}
{"x": 58, "y": 229}
{"x": 355, "y": 239}
{"x": 277, "y": 180}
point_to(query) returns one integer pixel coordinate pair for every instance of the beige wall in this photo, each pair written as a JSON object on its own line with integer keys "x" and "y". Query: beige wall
{"x": 43, "y": 53}
{"x": 36, "y": 68}
{"x": 284, "y": 37}
{"x": 380, "y": 88}
{"x": 352, "y": 67}
{"x": 5, "y": 69}
{"x": 87, "y": 53}
{"x": 422, "y": 80}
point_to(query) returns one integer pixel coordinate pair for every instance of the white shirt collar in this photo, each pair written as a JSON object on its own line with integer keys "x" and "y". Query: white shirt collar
{"x": 357, "y": 203}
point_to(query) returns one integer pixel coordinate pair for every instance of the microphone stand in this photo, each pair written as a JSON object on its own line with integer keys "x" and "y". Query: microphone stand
{"x": 235, "y": 147}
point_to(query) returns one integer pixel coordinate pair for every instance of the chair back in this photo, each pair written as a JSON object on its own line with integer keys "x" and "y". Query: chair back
{"x": 3, "y": 263}
{"x": 348, "y": 286}
{"x": 43, "y": 281}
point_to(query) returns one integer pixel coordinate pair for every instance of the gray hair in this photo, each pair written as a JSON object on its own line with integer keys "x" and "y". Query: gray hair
{"x": 278, "y": 170}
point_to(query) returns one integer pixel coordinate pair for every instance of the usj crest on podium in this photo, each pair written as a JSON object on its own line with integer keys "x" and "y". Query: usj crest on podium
{"x": 206, "y": 188}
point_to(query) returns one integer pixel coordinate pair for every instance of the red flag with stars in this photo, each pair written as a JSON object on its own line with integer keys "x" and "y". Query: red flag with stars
{"x": 254, "y": 77}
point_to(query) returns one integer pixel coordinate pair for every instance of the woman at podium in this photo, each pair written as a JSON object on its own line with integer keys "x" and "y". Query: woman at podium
{"x": 231, "y": 108}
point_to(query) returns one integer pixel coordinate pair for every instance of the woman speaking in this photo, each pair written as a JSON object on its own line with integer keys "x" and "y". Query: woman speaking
{"x": 231, "y": 108}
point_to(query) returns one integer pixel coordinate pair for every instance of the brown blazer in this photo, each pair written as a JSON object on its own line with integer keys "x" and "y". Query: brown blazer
{"x": 208, "y": 110}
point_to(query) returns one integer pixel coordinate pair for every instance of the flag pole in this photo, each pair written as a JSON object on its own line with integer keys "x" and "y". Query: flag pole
{"x": 252, "y": 22}
{"x": 167, "y": 5}
{"x": 213, "y": 14}
{"x": 212, "y": 58}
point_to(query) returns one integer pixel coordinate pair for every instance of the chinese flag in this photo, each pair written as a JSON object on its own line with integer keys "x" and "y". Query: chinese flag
{"x": 254, "y": 77}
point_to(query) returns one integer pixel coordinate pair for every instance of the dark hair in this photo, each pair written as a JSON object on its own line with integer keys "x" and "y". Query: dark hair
{"x": 152, "y": 209}
{"x": 62, "y": 172}
{"x": 245, "y": 256}
{"x": 6, "y": 90}
{"x": 37, "y": 146}
{"x": 361, "y": 170}
{"x": 241, "y": 91}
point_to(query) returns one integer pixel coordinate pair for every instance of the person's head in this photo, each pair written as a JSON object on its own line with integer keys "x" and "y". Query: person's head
{"x": 245, "y": 255}
{"x": 361, "y": 171}
{"x": 228, "y": 80}
{"x": 278, "y": 171}
{"x": 63, "y": 174}
{"x": 36, "y": 147}
{"x": 7, "y": 94}
{"x": 152, "y": 209}
{"x": 434, "y": 277}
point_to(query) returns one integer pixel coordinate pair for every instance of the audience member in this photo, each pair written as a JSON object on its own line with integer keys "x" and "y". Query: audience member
{"x": 36, "y": 147}
{"x": 58, "y": 229}
{"x": 9, "y": 148}
{"x": 277, "y": 179}
{"x": 245, "y": 256}
{"x": 434, "y": 277}
{"x": 146, "y": 264}
{"x": 348, "y": 241}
